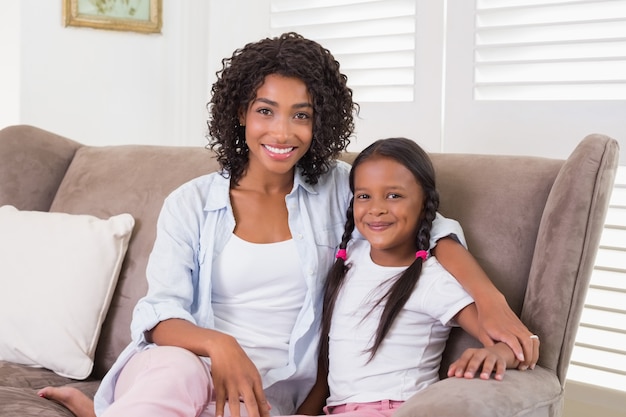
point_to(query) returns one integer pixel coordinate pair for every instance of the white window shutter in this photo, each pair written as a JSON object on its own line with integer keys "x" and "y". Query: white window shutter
{"x": 599, "y": 355}
{"x": 550, "y": 50}
{"x": 374, "y": 40}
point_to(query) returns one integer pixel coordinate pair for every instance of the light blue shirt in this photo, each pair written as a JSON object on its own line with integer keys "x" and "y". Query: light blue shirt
{"x": 195, "y": 223}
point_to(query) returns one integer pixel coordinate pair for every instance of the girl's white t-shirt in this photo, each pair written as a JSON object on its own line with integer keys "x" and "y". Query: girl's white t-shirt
{"x": 408, "y": 359}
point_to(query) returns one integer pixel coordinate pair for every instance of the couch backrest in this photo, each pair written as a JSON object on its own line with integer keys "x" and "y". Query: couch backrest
{"x": 499, "y": 201}
{"x": 533, "y": 224}
{"x": 32, "y": 164}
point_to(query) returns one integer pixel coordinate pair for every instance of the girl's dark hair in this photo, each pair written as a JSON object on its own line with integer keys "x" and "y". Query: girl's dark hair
{"x": 414, "y": 158}
{"x": 289, "y": 55}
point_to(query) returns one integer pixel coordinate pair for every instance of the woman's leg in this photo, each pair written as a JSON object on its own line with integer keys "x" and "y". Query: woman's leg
{"x": 162, "y": 381}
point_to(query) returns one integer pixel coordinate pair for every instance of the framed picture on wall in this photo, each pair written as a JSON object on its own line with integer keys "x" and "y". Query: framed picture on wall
{"x": 127, "y": 15}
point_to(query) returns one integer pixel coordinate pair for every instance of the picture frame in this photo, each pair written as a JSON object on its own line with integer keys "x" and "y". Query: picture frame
{"x": 144, "y": 16}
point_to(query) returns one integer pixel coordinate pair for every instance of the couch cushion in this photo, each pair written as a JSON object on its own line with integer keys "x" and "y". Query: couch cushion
{"x": 26, "y": 403}
{"x": 21, "y": 376}
{"x": 18, "y": 391}
{"x": 57, "y": 276}
{"x": 534, "y": 393}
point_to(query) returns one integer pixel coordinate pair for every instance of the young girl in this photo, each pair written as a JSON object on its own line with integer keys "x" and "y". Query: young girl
{"x": 252, "y": 244}
{"x": 388, "y": 303}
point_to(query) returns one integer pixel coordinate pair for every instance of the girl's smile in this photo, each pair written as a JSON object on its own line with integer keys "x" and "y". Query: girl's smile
{"x": 378, "y": 226}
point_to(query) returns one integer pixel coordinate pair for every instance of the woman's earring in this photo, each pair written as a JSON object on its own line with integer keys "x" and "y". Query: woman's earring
{"x": 241, "y": 147}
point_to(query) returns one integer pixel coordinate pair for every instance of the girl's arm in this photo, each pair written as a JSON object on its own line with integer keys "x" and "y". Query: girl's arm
{"x": 497, "y": 357}
{"x": 496, "y": 320}
{"x": 234, "y": 375}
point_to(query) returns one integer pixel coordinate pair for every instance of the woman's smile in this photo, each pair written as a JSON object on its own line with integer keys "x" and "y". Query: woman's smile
{"x": 278, "y": 151}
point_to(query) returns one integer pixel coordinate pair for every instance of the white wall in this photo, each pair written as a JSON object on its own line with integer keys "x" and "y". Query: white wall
{"x": 232, "y": 24}
{"x": 9, "y": 62}
{"x": 107, "y": 87}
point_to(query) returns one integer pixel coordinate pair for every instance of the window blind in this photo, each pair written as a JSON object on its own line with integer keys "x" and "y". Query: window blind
{"x": 550, "y": 50}
{"x": 599, "y": 355}
{"x": 374, "y": 40}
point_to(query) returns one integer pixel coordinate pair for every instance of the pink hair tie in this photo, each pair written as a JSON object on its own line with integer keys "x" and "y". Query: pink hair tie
{"x": 421, "y": 254}
{"x": 341, "y": 254}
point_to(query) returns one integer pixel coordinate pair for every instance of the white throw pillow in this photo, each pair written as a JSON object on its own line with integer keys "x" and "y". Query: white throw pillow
{"x": 58, "y": 273}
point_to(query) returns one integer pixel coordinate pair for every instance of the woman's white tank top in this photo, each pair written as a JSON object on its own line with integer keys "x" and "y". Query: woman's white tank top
{"x": 258, "y": 291}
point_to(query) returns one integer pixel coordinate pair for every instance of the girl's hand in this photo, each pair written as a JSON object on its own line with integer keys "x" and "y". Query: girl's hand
{"x": 236, "y": 379}
{"x": 487, "y": 360}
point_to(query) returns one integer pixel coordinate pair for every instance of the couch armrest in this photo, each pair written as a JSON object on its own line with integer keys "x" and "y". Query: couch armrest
{"x": 530, "y": 394}
{"x": 565, "y": 251}
{"x": 32, "y": 165}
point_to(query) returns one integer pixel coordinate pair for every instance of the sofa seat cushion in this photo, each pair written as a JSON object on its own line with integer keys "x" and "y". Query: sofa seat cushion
{"x": 25, "y": 402}
{"x": 18, "y": 391}
{"x": 21, "y": 376}
{"x": 536, "y": 393}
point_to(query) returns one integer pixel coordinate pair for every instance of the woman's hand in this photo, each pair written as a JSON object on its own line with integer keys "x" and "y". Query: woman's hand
{"x": 495, "y": 358}
{"x": 236, "y": 379}
{"x": 498, "y": 323}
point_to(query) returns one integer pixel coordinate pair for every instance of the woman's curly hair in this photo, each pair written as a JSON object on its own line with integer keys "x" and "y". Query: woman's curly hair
{"x": 289, "y": 55}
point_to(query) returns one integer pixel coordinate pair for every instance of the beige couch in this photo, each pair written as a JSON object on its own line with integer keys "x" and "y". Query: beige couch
{"x": 533, "y": 223}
